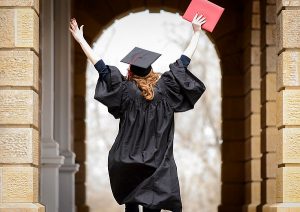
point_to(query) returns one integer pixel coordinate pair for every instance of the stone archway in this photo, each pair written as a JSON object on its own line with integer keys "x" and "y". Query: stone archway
{"x": 238, "y": 43}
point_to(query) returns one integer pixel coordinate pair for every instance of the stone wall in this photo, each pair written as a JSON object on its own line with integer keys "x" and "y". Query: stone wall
{"x": 19, "y": 106}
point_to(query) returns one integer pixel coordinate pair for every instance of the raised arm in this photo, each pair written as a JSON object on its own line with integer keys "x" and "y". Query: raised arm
{"x": 78, "y": 35}
{"x": 197, "y": 24}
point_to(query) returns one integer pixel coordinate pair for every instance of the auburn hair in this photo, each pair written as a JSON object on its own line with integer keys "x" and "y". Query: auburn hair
{"x": 145, "y": 83}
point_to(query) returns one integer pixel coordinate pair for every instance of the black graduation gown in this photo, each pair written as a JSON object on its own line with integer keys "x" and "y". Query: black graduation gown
{"x": 141, "y": 165}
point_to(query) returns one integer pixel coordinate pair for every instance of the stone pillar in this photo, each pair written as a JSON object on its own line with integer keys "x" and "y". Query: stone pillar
{"x": 269, "y": 133}
{"x": 50, "y": 158}
{"x": 288, "y": 106}
{"x": 63, "y": 92}
{"x": 251, "y": 66}
{"x": 19, "y": 106}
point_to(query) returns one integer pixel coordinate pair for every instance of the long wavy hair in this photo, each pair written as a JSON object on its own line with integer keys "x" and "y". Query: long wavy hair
{"x": 146, "y": 83}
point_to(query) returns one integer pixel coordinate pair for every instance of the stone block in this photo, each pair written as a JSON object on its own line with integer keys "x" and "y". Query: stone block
{"x": 252, "y": 125}
{"x": 252, "y": 102}
{"x": 288, "y": 184}
{"x": 252, "y": 79}
{"x": 252, "y": 170}
{"x": 268, "y": 190}
{"x": 268, "y": 88}
{"x": 288, "y": 108}
{"x": 232, "y": 108}
{"x": 232, "y": 172}
{"x": 251, "y": 56}
{"x": 268, "y": 60}
{"x": 20, "y": 3}
{"x": 288, "y": 29}
{"x": 252, "y": 148}
{"x": 233, "y": 129}
{"x": 19, "y": 107}
{"x": 288, "y": 69}
{"x": 269, "y": 165}
{"x": 271, "y": 34}
{"x": 232, "y": 194}
{"x": 232, "y": 151}
{"x": 269, "y": 139}
{"x": 19, "y": 145}
{"x": 252, "y": 192}
{"x": 271, "y": 14}
{"x": 231, "y": 86}
{"x": 255, "y": 7}
{"x": 19, "y": 28}
{"x": 287, "y": 3}
{"x": 19, "y": 68}
{"x": 27, "y": 34}
{"x": 268, "y": 117}
{"x": 231, "y": 65}
{"x": 255, "y": 21}
{"x": 289, "y": 146}
{"x": 19, "y": 184}
{"x": 7, "y": 30}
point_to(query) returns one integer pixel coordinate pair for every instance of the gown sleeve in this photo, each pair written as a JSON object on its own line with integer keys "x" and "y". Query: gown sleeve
{"x": 109, "y": 87}
{"x": 183, "y": 89}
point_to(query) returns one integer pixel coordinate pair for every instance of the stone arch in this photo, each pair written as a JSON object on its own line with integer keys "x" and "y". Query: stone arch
{"x": 228, "y": 39}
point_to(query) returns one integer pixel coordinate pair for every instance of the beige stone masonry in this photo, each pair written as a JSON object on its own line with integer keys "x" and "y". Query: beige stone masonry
{"x": 288, "y": 69}
{"x": 288, "y": 184}
{"x": 290, "y": 146}
{"x": 252, "y": 125}
{"x": 19, "y": 107}
{"x": 19, "y": 68}
{"x": 286, "y": 3}
{"x": 252, "y": 170}
{"x": 21, "y": 3}
{"x": 288, "y": 108}
{"x": 289, "y": 29}
{"x": 252, "y": 148}
{"x": 268, "y": 88}
{"x": 19, "y": 28}
{"x": 269, "y": 138}
{"x": 19, "y": 184}
{"x": 19, "y": 145}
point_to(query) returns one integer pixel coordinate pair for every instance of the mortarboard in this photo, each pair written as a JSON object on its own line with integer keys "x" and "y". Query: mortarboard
{"x": 140, "y": 60}
{"x": 209, "y": 10}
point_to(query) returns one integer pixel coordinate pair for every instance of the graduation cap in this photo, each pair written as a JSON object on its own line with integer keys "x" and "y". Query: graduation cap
{"x": 140, "y": 60}
{"x": 209, "y": 10}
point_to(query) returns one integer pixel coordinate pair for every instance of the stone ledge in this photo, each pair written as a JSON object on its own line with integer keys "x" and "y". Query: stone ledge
{"x": 17, "y": 207}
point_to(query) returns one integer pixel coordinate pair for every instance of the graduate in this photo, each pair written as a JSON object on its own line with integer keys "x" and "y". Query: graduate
{"x": 142, "y": 169}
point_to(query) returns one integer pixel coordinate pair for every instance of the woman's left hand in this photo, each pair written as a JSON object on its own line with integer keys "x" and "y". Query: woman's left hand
{"x": 197, "y": 22}
{"x": 76, "y": 32}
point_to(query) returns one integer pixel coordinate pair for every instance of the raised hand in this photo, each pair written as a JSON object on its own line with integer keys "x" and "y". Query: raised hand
{"x": 76, "y": 32}
{"x": 197, "y": 22}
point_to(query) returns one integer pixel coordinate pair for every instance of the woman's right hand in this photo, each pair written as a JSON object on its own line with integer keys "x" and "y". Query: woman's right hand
{"x": 76, "y": 32}
{"x": 197, "y": 22}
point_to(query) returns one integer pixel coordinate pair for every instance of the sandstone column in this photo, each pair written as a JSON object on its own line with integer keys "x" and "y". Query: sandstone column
{"x": 269, "y": 132}
{"x": 251, "y": 66}
{"x": 19, "y": 106}
{"x": 288, "y": 106}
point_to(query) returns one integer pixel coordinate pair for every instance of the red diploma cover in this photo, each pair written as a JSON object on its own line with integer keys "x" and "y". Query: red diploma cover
{"x": 209, "y": 10}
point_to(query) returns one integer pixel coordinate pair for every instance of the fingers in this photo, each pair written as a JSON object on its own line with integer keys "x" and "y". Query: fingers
{"x": 199, "y": 19}
{"x": 73, "y": 23}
